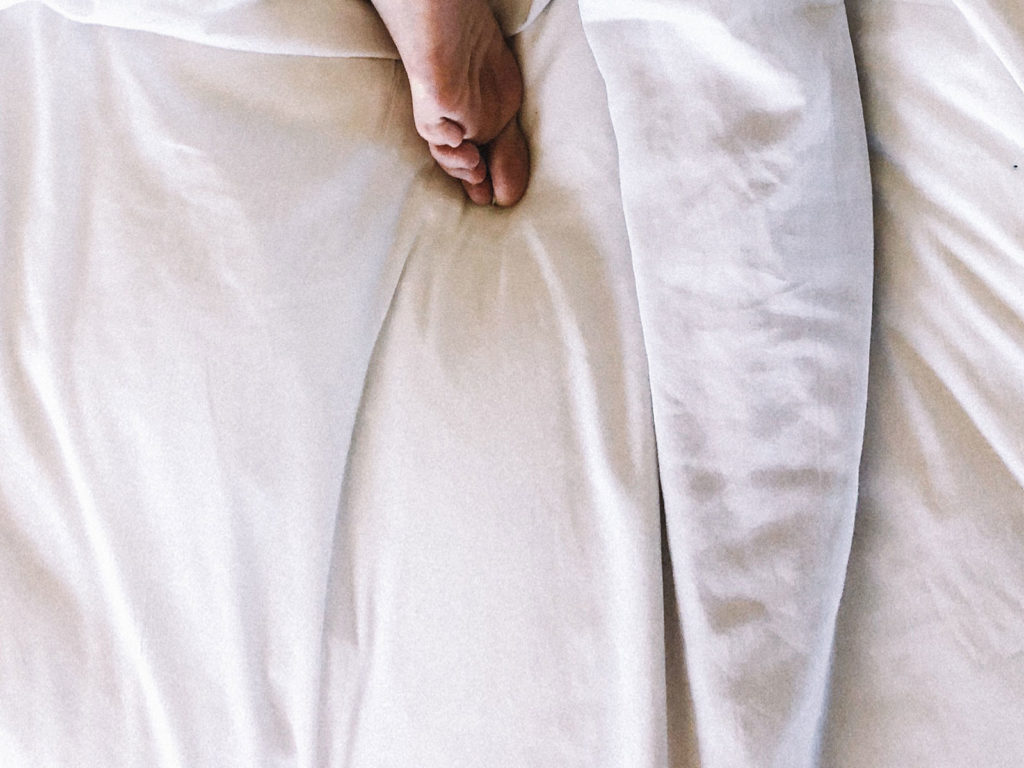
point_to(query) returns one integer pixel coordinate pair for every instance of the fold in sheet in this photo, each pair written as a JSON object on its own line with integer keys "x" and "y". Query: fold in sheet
{"x": 496, "y": 589}
{"x": 747, "y": 199}
{"x": 308, "y": 462}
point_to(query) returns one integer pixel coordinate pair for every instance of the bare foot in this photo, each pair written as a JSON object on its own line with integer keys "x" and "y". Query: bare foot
{"x": 466, "y": 93}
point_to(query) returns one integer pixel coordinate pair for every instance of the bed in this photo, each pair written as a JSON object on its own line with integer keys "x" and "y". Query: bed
{"x": 708, "y": 454}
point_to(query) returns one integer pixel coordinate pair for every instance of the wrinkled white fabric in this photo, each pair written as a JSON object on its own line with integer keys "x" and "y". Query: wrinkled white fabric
{"x": 930, "y": 647}
{"x": 747, "y": 198}
{"x": 496, "y": 583}
{"x": 306, "y": 461}
{"x": 346, "y": 28}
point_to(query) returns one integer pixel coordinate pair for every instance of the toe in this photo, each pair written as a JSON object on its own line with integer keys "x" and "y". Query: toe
{"x": 509, "y": 164}
{"x": 463, "y": 157}
{"x": 463, "y": 162}
{"x": 475, "y": 175}
{"x": 482, "y": 193}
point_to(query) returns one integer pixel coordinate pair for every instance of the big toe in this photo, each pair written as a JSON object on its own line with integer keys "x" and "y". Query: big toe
{"x": 509, "y": 164}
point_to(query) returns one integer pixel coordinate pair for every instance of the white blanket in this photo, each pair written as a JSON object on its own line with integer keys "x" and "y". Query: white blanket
{"x": 306, "y": 462}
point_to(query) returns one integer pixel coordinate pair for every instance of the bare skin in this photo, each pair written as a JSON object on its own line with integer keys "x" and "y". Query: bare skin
{"x": 466, "y": 93}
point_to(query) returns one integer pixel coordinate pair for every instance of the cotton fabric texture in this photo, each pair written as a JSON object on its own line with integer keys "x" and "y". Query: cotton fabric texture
{"x": 705, "y": 455}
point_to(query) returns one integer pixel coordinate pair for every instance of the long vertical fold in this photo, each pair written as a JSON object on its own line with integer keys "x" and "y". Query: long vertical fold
{"x": 747, "y": 197}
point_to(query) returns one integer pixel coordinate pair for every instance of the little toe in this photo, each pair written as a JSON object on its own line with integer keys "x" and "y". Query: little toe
{"x": 482, "y": 193}
{"x": 509, "y": 163}
{"x": 471, "y": 175}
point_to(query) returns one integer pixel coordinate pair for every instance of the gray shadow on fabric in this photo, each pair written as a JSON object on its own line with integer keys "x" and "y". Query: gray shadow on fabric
{"x": 682, "y": 735}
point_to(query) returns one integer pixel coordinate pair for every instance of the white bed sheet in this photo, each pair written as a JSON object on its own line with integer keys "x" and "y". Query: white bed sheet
{"x": 308, "y": 463}
{"x": 930, "y": 646}
{"x": 306, "y": 460}
{"x": 345, "y": 28}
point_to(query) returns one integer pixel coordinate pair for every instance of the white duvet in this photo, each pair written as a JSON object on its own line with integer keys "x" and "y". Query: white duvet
{"x": 304, "y": 461}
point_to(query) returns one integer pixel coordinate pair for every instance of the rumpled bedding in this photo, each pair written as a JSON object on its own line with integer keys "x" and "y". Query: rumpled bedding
{"x": 305, "y": 461}
{"x": 929, "y": 658}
